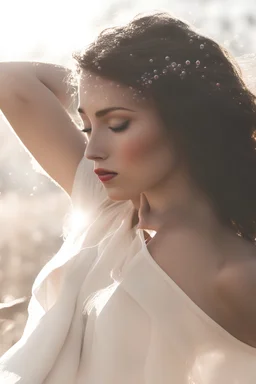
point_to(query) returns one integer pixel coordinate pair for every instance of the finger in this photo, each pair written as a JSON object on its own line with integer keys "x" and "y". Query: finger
{"x": 144, "y": 206}
{"x": 144, "y": 212}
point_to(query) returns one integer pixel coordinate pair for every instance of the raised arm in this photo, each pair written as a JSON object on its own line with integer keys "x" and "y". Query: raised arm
{"x": 37, "y": 101}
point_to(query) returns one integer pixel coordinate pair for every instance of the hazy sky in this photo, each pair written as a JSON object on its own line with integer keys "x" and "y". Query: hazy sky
{"x": 57, "y": 27}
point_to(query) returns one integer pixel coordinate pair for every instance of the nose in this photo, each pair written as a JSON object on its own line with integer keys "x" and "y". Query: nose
{"x": 95, "y": 150}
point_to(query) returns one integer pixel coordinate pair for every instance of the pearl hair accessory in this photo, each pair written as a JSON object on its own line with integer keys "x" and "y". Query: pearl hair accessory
{"x": 147, "y": 78}
{"x": 247, "y": 63}
{"x": 180, "y": 69}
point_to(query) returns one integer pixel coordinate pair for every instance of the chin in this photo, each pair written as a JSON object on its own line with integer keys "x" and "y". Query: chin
{"x": 119, "y": 195}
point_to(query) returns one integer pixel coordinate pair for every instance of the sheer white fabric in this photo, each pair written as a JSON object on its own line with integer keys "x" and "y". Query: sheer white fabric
{"x": 103, "y": 312}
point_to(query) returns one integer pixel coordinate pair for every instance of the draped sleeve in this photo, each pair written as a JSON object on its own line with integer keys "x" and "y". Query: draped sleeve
{"x": 53, "y": 311}
{"x": 88, "y": 192}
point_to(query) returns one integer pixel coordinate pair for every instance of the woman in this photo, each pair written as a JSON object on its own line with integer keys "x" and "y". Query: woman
{"x": 169, "y": 122}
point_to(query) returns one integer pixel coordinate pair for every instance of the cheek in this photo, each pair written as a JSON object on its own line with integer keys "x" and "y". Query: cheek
{"x": 139, "y": 148}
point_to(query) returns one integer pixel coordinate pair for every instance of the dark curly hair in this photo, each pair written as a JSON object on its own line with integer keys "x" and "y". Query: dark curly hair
{"x": 202, "y": 99}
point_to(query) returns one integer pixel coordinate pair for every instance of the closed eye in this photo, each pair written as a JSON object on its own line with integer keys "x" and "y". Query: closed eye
{"x": 114, "y": 129}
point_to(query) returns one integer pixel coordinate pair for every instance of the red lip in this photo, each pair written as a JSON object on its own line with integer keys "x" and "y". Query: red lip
{"x": 102, "y": 171}
{"x": 107, "y": 177}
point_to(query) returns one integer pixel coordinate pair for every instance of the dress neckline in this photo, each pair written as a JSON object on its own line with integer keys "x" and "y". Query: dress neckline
{"x": 194, "y": 307}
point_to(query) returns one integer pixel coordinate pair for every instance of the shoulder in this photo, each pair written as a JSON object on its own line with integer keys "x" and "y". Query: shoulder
{"x": 237, "y": 289}
{"x": 239, "y": 278}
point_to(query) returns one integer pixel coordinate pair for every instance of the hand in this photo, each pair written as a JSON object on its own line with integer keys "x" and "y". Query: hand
{"x": 168, "y": 220}
{"x": 147, "y": 220}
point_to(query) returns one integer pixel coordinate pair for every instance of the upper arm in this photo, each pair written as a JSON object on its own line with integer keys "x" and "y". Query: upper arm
{"x": 46, "y": 130}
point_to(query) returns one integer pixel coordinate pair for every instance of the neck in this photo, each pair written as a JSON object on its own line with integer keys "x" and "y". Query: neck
{"x": 178, "y": 206}
{"x": 190, "y": 218}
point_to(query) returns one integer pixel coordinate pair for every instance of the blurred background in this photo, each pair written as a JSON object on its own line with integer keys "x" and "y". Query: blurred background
{"x": 32, "y": 207}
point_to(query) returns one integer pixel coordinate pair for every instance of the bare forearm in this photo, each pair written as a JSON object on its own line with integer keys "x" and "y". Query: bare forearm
{"x": 31, "y": 95}
{"x": 16, "y": 77}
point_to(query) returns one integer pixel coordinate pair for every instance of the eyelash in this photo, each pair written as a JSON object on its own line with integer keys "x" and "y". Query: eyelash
{"x": 117, "y": 129}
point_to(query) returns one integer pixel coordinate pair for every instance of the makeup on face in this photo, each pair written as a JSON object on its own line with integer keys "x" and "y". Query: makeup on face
{"x": 124, "y": 136}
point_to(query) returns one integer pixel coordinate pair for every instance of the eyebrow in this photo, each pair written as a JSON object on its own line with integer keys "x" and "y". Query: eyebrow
{"x": 105, "y": 111}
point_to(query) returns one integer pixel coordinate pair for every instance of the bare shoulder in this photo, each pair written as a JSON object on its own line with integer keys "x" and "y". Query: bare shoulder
{"x": 237, "y": 288}
{"x": 239, "y": 278}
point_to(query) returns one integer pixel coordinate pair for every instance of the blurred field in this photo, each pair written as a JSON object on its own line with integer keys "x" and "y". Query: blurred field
{"x": 31, "y": 229}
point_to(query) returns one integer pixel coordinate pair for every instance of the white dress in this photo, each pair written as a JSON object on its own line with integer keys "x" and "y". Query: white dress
{"x": 103, "y": 312}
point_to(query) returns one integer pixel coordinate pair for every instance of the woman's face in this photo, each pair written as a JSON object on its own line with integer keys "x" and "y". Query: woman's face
{"x": 140, "y": 153}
